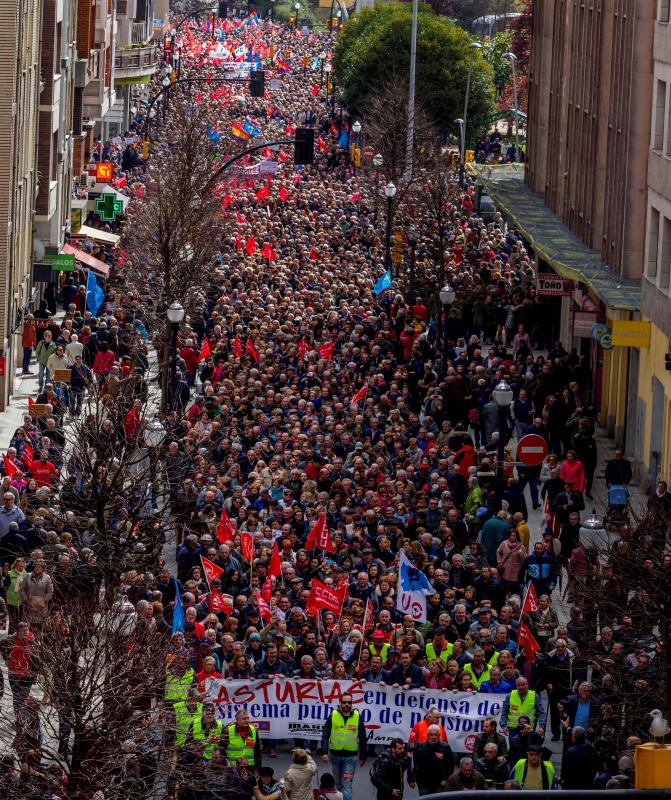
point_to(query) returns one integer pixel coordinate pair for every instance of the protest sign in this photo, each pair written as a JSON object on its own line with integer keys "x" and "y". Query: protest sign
{"x": 281, "y": 708}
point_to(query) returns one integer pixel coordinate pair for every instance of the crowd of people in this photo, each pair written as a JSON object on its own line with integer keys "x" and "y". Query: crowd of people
{"x": 319, "y": 399}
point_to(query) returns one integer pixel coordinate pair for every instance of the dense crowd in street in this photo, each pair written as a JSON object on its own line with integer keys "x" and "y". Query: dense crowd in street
{"x": 317, "y": 431}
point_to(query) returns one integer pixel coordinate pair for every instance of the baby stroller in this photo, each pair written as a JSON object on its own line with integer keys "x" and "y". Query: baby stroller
{"x": 618, "y": 506}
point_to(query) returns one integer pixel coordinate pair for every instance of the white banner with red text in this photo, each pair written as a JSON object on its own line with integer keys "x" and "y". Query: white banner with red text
{"x": 282, "y": 708}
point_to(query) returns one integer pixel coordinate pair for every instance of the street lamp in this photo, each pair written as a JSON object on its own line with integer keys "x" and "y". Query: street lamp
{"x": 390, "y": 194}
{"x": 175, "y": 314}
{"x": 503, "y": 397}
{"x": 462, "y": 140}
{"x": 356, "y": 128}
{"x": 413, "y": 238}
{"x": 473, "y": 47}
{"x": 338, "y": 17}
{"x": 327, "y": 70}
{"x": 378, "y": 161}
{"x": 272, "y": 7}
{"x": 446, "y": 296}
{"x": 297, "y": 8}
{"x": 166, "y": 94}
{"x": 513, "y": 58}
{"x": 153, "y": 436}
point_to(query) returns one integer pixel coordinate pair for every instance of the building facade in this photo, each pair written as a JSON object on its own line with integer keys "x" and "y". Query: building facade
{"x": 19, "y": 99}
{"x": 654, "y": 385}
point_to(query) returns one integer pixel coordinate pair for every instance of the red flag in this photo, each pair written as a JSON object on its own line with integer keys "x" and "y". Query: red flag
{"x": 302, "y": 348}
{"x": 220, "y": 603}
{"x": 368, "y": 617}
{"x": 267, "y": 590}
{"x": 313, "y": 254}
{"x": 283, "y": 194}
{"x": 275, "y": 566}
{"x": 283, "y": 157}
{"x": 530, "y": 602}
{"x": 227, "y": 200}
{"x": 333, "y": 130}
{"x": 240, "y": 218}
{"x": 314, "y": 91}
{"x": 264, "y": 609}
{"x": 268, "y": 252}
{"x": 326, "y": 351}
{"x": 238, "y": 243}
{"x": 267, "y": 152}
{"x": 199, "y": 97}
{"x": 27, "y": 455}
{"x": 237, "y": 347}
{"x": 31, "y": 403}
{"x": 225, "y": 528}
{"x": 354, "y": 198}
{"x": 324, "y": 597}
{"x": 263, "y": 192}
{"x": 247, "y": 543}
{"x": 250, "y": 246}
{"x": 527, "y": 642}
{"x": 10, "y": 467}
{"x": 321, "y": 144}
{"x": 250, "y": 350}
{"x": 210, "y": 570}
{"x": 361, "y": 394}
{"x": 318, "y": 538}
{"x": 205, "y": 351}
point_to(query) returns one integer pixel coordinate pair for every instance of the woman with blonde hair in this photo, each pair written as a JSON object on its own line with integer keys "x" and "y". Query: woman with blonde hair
{"x": 299, "y": 776}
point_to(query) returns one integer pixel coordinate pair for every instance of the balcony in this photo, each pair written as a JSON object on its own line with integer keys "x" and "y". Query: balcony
{"x": 134, "y": 63}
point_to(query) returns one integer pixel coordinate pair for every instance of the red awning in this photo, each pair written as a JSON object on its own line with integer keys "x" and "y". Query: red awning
{"x": 89, "y": 261}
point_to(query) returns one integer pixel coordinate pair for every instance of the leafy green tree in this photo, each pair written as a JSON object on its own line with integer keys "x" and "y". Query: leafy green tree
{"x": 375, "y": 47}
{"x": 493, "y": 52}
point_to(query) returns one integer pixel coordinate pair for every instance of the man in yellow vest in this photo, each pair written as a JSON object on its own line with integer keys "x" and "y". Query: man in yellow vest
{"x": 203, "y": 735}
{"x": 179, "y": 678}
{"x": 186, "y": 712}
{"x": 439, "y": 647}
{"x": 241, "y": 743}
{"x": 378, "y": 647}
{"x": 343, "y": 736}
{"x": 532, "y": 772}
{"x": 477, "y": 669}
{"x": 522, "y": 701}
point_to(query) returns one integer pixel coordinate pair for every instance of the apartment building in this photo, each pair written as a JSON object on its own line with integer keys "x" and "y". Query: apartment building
{"x": 19, "y": 99}
{"x": 653, "y": 412}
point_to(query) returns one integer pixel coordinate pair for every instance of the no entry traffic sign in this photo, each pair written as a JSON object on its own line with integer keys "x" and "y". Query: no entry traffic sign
{"x": 532, "y": 449}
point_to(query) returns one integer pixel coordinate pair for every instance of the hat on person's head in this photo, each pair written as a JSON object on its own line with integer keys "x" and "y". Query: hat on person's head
{"x": 255, "y": 637}
{"x": 377, "y": 635}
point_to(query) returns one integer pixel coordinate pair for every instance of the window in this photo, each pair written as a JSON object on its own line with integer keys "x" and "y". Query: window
{"x": 660, "y": 114}
{"x": 653, "y": 244}
{"x": 665, "y": 263}
{"x": 664, "y": 8}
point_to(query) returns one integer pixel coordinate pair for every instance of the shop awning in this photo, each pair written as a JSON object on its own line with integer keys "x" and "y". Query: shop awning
{"x": 85, "y": 232}
{"x": 87, "y": 260}
{"x": 552, "y": 240}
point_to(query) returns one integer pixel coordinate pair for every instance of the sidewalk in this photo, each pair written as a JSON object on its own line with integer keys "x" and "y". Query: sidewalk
{"x": 25, "y": 386}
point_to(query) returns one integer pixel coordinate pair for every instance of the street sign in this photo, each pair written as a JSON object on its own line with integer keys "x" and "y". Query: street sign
{"x": 58, "y": 261}
{"x": 532, "y": 450}
{"x": 552, "y": 285}
{"x": 104, "y": 172}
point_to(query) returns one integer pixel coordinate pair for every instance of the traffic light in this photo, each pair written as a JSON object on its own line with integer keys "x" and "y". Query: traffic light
{"x": 257, "y": 83}
{"x": 223, "y": 9}
{"x": 304, "y": 146}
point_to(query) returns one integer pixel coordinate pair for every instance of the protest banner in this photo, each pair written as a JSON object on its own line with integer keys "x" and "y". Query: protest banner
{"x": 281, "y": 708}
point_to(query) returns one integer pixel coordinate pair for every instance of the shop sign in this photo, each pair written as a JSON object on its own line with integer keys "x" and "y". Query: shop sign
{"x": 631, "y": 333}
{"x": 553, "y": 285}
{"x": 58, "y": 261}
{"x": 582, "y": 324}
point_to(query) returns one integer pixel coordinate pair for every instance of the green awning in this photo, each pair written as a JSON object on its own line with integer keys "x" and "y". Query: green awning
{"x": 552, "y": 239}
{"x": 508, "y": 113}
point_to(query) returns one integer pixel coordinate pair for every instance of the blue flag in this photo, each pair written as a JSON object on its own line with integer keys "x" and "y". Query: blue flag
{"x": 382, "y": 283}
{"x": 94, "y": 294}
{"x": 251, "y": 129}
{"x": 342, "y": 140}
{"x": 178, "y": 619}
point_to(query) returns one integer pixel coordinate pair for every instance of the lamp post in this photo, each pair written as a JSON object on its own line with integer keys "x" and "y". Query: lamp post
{"x": 338, "y": 17}
{"x": 513, "y": 58}
{"x": 327, "y": 70}
{"x": 179, "y": 60}
{"x": 413, "y": 238}
{"x": 166, "y": 97}
{"x": 356, "y": 130}
{"x": 153, "y": 436}
{"x": 447, "y": 297}
{"x": 175, "y": 314}
{"x": 297, "y": 8}
{"x": 473, "y": 47}
{"x": 322, "y": 59}
{"x": 272, "y": 8}
{"x": 390, "y": 194}
{"x": 378, "y": 161}
{"x": 462, "y": 143}
{"x": 503, "y": 397}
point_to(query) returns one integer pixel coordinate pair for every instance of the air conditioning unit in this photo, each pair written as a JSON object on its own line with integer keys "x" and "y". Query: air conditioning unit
{"x": 83, "y": 179}
{"x": 90, "y": 181}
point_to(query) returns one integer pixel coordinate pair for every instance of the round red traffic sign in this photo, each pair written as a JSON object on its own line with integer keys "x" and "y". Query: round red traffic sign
{"x": 532, "y": 449}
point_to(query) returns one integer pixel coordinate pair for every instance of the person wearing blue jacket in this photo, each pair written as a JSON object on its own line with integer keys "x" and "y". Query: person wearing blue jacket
{"x": 406, "y": 674}
{"x": 539, "y": 568}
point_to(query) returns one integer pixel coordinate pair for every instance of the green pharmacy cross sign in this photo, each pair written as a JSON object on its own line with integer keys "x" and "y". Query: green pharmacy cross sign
{"x": 108, "y": 207}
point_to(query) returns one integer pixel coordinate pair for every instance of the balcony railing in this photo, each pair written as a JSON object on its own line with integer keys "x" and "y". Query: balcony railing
{"x": 138, "y": 33}
{"x": 135, "y": 61}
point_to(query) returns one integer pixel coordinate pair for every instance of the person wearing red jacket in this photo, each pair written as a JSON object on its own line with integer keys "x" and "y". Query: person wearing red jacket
{"x": 131, "y": 421}
{"x": 465, "y": 458}
{"x": 43, "y": 470}
{"x": 19, "y": 668}
{"x": 103, "y": 361}
{"x": 189, "y": 356}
